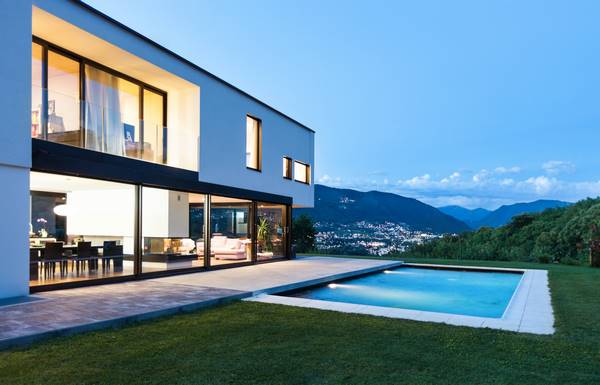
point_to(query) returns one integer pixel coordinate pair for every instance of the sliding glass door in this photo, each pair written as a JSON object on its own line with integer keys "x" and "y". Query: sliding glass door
{"x": 172, "y": 230}
{"x": 271, "y": 229}
{"x": 230, "y": 230}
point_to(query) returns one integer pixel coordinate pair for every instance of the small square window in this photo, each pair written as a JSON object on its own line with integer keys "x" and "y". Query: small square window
{"x": 301, "y": 172}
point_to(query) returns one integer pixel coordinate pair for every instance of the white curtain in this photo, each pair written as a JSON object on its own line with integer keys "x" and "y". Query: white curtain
{"x": 103, "y": 122}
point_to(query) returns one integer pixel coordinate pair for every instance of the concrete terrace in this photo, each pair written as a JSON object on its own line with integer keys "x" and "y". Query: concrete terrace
{"x": 64, "y": 312}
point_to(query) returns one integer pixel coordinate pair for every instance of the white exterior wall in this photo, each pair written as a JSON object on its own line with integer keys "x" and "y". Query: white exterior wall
{"x": 222, "y": 131}
{"x": 15, "y": 146}
{"x": 223, "y": 144}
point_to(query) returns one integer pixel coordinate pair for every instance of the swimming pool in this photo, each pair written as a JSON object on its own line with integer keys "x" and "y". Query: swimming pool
{"x": 472, "y": 293}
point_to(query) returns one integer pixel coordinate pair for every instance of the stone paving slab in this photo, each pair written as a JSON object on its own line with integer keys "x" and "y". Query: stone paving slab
{"x": 71, "y": 311}
{"x": 284, "y": 275}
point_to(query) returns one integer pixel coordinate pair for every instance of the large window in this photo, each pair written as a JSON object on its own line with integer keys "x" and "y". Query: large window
{"x": 271, "y": 230}
{"x": 121, "y": 116}
{"x": 230, "y": 230}
{"x": 253, "y": 143}
{"x": 79, "y": 229}
{"x": 301, "y": 172}
{"x": 112, "y": 108}
{"x": 172, "y": 229}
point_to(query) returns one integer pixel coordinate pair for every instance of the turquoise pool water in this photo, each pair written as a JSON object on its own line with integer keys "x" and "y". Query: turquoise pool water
{"x": 482, "y": 294}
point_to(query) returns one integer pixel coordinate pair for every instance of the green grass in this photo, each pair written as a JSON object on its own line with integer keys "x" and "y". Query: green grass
{"x": 262, "y": 343}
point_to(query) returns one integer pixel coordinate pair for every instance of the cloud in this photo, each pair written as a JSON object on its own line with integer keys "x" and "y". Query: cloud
{"x": 507, "y": 170}
{"x": 556, "y": 167}
{"x": 329, "y": 181}
{"x": 542, "y": 185}
{"x": 417, "y": 181}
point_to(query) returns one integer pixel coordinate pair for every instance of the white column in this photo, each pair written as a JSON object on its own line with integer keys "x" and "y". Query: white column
{"x": 15, "y": 146}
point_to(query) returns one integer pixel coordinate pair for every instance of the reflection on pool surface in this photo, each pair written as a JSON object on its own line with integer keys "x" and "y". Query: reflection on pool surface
{"x": 473, "y": 293}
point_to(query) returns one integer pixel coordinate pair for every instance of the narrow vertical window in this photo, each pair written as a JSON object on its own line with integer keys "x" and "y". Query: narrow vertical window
{"x": 253, "y": 145}
{"x": 302, "y": 172}
{"x": 287, "y": 167}
{"x": 36, "y": 90}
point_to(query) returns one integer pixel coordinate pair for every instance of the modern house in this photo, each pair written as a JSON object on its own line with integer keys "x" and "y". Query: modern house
{"x": 121, "y": 160}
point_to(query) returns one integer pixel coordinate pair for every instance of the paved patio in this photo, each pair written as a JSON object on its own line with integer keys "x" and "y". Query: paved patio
{"x": 84, "y": 309}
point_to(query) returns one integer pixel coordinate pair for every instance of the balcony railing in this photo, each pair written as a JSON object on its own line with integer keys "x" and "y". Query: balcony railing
{"x": 100, "y": 127}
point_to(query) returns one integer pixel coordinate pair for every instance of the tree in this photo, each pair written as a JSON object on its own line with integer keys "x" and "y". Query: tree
{"x": 303, "y": 234}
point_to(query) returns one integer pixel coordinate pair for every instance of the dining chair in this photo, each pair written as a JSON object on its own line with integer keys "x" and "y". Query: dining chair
{"x": 34, "y": 264}
{"x": 112, "y": 252}
{"x": 53, "y": 254}
{"x": 84, "y": 253}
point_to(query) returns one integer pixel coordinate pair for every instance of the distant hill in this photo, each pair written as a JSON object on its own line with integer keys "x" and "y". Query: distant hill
{"x": 558, "y": 234}
{"x": 477, "y": 218}
{"x": 504, "y": 214}
{"x": 469, "y": 216}
{"x": 347, "y": 206}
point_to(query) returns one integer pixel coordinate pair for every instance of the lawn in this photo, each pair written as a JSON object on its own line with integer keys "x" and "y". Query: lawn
{"x": 261, "y": 343}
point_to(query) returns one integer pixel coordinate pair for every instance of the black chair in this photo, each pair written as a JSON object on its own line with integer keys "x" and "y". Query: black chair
{"x": 34, "y": 264}
{"x": 107, "y": 253}
{"x": 53, "y": 254}
{"x": 115, "y": 254}
{"x": 84, "y": 254}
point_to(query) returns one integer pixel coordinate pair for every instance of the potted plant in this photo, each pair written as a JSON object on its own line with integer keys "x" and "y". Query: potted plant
{"x": 263, "y": 234}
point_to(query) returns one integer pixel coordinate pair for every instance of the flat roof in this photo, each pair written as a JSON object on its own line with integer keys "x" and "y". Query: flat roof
{"x": 186, "y": 61}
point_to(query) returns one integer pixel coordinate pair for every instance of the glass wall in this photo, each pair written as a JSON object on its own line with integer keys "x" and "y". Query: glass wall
{"x": 79, "y": 229}
{"x": 230, "y": 230}
{"x": 172, "y": 230}
{"x": 271, "y": 230}
{"x": 83, "y": 229}
{"x": 120, "y": 116}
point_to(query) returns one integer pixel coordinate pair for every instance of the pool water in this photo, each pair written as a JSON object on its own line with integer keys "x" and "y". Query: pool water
{"x": 473, "y": 293}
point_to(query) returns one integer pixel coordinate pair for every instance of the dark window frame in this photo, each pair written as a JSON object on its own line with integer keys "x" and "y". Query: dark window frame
{"x": 258, "y": 143}
{"x": 289, "y": 171}
{"x": 83, "y": 61}
{"x": 308, "y": 173}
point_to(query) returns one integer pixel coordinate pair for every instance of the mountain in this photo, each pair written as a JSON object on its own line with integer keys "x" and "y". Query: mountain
{"x": 469, "y": 216}
{"x": 560, "y": 234}
{"x": 504, "y": 214}
{"x": 343, "y": 206}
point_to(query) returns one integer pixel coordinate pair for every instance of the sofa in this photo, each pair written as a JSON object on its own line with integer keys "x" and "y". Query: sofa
{"x": 222, "y": 247}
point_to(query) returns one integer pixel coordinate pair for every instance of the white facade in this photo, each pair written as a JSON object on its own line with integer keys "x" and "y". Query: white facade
{"x": 206, "y": 116}
{"x": 222, "y": 108}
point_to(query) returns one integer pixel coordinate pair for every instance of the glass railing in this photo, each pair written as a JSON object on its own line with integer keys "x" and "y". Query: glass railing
{"x": 100, "y": 127}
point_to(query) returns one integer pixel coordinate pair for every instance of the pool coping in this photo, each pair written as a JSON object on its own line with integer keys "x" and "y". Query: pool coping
{"x": 529, "y": 310}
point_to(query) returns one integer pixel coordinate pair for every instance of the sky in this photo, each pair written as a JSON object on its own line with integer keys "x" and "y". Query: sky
{"x": 475, "y": 103}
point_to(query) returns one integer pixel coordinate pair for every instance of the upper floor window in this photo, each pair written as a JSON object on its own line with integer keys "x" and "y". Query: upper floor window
{"x": 84, "y": 104}
{"x": 253, "y": 143}
{"x": 287, "y": 167}
{"x": 301, "y": 172}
